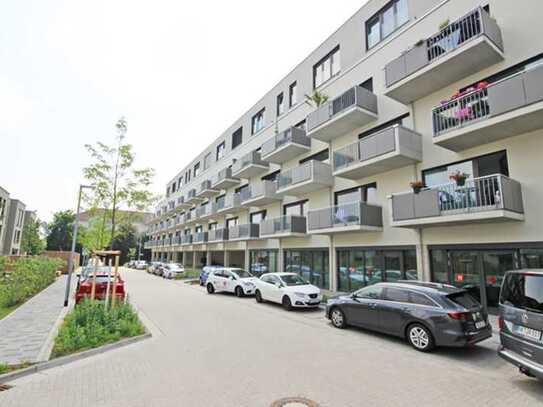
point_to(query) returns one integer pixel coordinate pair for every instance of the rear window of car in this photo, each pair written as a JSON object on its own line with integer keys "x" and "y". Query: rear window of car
{"x": 464, "y": 299}
{"x": 523, "y": 291}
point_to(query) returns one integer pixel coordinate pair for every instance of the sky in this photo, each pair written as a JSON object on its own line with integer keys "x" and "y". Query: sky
{"x": 70, "y": 68}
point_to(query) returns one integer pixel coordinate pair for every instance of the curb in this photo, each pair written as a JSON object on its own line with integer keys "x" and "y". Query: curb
{"x": 64, "y": 360}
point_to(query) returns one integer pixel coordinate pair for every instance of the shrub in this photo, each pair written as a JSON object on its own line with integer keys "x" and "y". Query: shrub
{"x": 91, "y": 325}
{"x": 4, "y": 368}
{"x": 30, "y": 275}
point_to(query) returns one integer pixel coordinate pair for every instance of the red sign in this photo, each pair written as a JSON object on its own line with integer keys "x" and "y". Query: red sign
{"x": 459, "y": 278}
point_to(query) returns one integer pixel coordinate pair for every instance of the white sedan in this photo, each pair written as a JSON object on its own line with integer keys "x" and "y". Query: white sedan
{"x": 288, "y": 289}
{"x": 232, "y": 280}
{"x": 172, "y": 270}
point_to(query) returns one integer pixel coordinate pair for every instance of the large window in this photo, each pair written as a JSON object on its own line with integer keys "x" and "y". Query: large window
{"x": 364, "y": 193}
{"x": 320, "y": 156}
{"x": 386, "y": 21}
{"x": 359, "y": 267}
{"x": 258, "y": 217}
{"x": 257, "y": 122}
{"x": 311, "y": 265}
{"x": 237, "y": 137}
{"x": 207, "y": 161}
{"x": 326, "y": 68}
{"x": 196, "y": 169}
{"x": 262, "y": 261}
{"x": 280, "y": 104}
{"x": 221, "y": 149}
{"x": 293, "y": 94}
{"x": 272, "y": 176}
{"x": 231, "y": 222}
{"x": 296, "y": 208}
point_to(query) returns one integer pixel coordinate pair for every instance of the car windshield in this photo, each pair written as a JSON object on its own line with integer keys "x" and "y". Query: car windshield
{"x": 464, "y": 299}
{"x": 293, "y": 280}
{"x": 175, "y": 266}
{"x": 523, "y": 291}
{"x": 242, "y": 273}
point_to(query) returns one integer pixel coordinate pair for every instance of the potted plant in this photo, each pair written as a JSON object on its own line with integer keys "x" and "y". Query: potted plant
{"x": 417, "y": 186}
{"x": 459, "y": 177}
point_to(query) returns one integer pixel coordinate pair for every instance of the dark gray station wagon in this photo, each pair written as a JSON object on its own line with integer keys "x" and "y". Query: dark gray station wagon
{"x": 521, "y": 321}
{"x": 426, "y": 314}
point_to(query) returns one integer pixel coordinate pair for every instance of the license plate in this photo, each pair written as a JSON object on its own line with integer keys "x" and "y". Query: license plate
{"x": 528, "y": 332}
{"x": 480, "y": 324}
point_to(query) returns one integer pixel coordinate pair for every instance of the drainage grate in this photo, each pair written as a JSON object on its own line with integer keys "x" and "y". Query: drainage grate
{"x": 294, "y": 402}
{"x": 4, "y": 387}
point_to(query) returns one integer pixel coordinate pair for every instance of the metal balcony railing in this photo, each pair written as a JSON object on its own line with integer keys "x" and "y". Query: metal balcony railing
{"x": 228, "y": 202}
{"x": 253, "y": 158}
{"x": 247, "y": 231}
{"x": 205, "y": 210}
{"x": 257, "y": 190}
{"x": 291, "y": 135}
{"x": 199, "y": 238}
{"x": 186, "y": 239}
{"x": 350, "y": 214}
{"x": 217, "y": 235}
{"x": 283, "y": 225}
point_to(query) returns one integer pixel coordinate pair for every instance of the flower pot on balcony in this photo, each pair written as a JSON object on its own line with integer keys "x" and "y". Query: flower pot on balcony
{"x": 460, "y": 182}
{"x": 417, "y": 190}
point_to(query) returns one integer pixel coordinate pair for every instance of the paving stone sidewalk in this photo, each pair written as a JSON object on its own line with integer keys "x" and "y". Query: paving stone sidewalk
{"x": 25, "y": 332}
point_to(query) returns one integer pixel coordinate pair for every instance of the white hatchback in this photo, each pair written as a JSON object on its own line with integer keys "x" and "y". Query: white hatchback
{"x": 232, "y": 280}
{"x": 288, "y": 289}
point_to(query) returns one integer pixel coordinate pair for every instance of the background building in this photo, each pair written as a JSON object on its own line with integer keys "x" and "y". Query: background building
{"x": 14, "y": 228}
{"x": 419, "y": 90}
{"x": 4, "y": 211}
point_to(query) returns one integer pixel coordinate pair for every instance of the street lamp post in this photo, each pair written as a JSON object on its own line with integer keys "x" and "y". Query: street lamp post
{"x": 74, "y": 240}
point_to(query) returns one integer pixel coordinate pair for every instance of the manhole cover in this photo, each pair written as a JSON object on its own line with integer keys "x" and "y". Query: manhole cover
{"x": 294, "y": 402}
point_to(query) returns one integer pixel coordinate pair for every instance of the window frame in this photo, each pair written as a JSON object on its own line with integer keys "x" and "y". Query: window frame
{"x": 328, "y": 58}
{"x": 379, "y": 18}
{"x": 300, "y": 203}
{"x": 280, "y": 104}
{"x": 258, "y": 117}
{"x": 293, "y": 94}
{"x": 262, "y": 213}
{"x": 235, "y": 143}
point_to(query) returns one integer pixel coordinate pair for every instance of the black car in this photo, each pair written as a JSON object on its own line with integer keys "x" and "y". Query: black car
{"x": 427, "y": 314}
{"x": 521, "y": 321}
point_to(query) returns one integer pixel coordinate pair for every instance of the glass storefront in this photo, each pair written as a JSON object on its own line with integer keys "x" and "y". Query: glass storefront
{"x": 481, "y": 271}
{"x": 359, "y": 267}
{"x": 262, "y": 261}
{"x": 312, "y": 265}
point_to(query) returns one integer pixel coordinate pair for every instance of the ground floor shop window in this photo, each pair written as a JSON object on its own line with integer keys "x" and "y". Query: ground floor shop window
{"x": 359, "y": 267}
{"x": 481, "y": 270}
{"x": 312, "y": 265}
{"x": 263, "y": 261}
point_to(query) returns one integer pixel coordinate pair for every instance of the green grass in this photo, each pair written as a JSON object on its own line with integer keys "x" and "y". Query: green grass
{"x": 189, "y": 274}
{"x": 90, "y": 325}
{"x": 5, "y": 311}
{"x": 4, "y": 368}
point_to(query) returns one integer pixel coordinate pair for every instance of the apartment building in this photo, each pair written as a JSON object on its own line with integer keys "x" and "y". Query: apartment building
{"x": 14, "y": 228}
{"x": 419, "y": 90}
{"x": 4, "y": 210}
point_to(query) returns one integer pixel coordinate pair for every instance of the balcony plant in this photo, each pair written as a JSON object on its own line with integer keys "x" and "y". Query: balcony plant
{"x": 459, "y": 177}
{"x": 417, "y": 186}
{"x": 317, "y": 99}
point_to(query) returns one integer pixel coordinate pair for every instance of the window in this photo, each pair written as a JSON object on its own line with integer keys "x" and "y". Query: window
{"x": 258, "y": 217}
{"x": 187, "y": 177}
{"x": 168, "y": 191}
{"x": 221, "y": 148}
{"x": 390, "y": 123}
{"x": 326, "y": 68}
{"x": 237, "y": 137}
{"x": 373, "y": 293}
{"x": 420, "y": 299}
{"x": 524, "y": 291}
{"x": 293, "y": 94}
{"x": 385, "y": 22}
{"x": 367, "y": 84}
{"x": 207, "y": 161}
{"x": 231, "y": 222}
{"x": 320, "y": 156}
{"x": 196, "y": 169}
{"x": 179, "y": 183}
{"x": 280, "y": 104}
{"x": 312, "y": 265}
{"x": 396, "y": 295}
{"x": 262, "y": 261}
{"x": 212, "y": 226}
{"x": 364, "y": 193}
{"x": 198, "y": 229}
{"x": 272, "y": 176}
{"x": 301, "y": 125}
{"x": 257, "y": 122}
{"x": 296, "y": 208}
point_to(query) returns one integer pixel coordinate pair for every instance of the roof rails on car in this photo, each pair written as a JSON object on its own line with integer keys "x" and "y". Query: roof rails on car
{"x": 426, "y": 284}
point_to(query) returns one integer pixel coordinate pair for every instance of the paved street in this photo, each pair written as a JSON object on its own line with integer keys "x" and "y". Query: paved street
{"x": 24, "y": 333}
{"x": 223, "y": 351}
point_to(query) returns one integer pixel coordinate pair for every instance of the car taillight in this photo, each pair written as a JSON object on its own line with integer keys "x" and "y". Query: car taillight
{"x": 460, "y": 316}
{"x": 500, "y": 323}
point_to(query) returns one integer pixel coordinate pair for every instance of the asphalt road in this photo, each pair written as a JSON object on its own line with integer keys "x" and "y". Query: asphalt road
{"x": 218, "y": 350}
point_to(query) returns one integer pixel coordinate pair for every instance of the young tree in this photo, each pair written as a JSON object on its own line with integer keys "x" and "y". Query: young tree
{"x": 59, "y": 231}
{"x": 31, "y": 241}
{"x": 125, "y": 240}
{"x": 97, "y": 235}
{"x": 316, "y": 99}
{"x": 114, "y": 180}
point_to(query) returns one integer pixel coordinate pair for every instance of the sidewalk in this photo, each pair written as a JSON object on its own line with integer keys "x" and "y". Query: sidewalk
{"x": 25, "y": 334}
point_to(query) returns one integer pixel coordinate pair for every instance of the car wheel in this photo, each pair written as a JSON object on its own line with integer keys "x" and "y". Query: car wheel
{"x": 287, "y": 305}
{"x": 210, "y": 288}
{"x": 238, "y": 291}
{"x": 338, "y": 318}
{"x": 420, "y": 337}
{"x": 258, "y": 296}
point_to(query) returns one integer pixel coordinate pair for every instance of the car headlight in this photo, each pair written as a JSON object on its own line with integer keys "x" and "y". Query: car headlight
{"x": 302, "y": 295}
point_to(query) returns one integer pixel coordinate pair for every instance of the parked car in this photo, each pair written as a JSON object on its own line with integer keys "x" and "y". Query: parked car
{"x": 288, "y": 289}
{"x": 153, "y": 266}
{"x": 140, "y": 264}
{"x": 232, "y": 280}
{"x": 521, "y": 321}
{"x": 426, "y": 314}
{"x": 84, "y": 287}
{"x": 159, "y": 269}
{"x": 172, "y": 270}
{"x": 205, "y": 272}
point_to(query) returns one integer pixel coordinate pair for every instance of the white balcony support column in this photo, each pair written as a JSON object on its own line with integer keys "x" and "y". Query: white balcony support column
{"x": 332, "y": 266}
{"x": 280, "y": 256}
{"x": 208, "y": 257}
{"x": 194, "y": 259}
{"x": 226, "y": 258}
{"x": 247, "y": 260}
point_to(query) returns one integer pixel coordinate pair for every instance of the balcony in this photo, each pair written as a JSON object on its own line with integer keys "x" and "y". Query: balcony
{"x": 308, "y": 177}
{"x": 286, "y": 146}
{"x": 351, "y": 217}
{"x": 259, "y": 194}
{"x": 205, "y": 211}
{"x": 225, "y": 180}
{"x": 217, "y": 235}
{"x": 231, "y": 204}
{"x": 495, "y": 198}
{"x": 199, "y": 238}
{"x": 206, "y": 190}
{"x": 284, "y": 226}
{"x": 176, "y": 241}
{"x": 467, "y": 45}
{"x": 190, "y": 217}
{"x": 355, "y": 108}
{"x": 391, "y": 148}
{"x": 186, "y": 240}
{"x": 506, "y": 108}
{"x": 182, "y": 204}
{"x": 193, "y": 198}
{"x": 250, "y": 165}
{"x": 249, "y": 231}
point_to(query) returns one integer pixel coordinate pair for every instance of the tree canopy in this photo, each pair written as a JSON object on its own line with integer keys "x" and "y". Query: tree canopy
{"x": 31, "y": 241}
